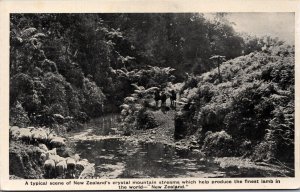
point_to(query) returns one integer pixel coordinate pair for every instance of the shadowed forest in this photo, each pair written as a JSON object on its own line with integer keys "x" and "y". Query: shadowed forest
{"x": 178, "y": 79}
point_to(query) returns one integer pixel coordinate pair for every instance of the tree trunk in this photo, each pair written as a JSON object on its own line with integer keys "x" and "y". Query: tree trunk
{"x": 220, "y": 78}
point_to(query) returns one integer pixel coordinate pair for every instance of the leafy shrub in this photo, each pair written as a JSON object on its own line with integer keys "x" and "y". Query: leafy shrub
{"x": 94, "y": 98}
{"x": 20, "y": 85}
{"x": 135, "y": 110}
{"x": 49, "y": 66}
{"x": 245, "y": 148}
{"x": 145, "y": 119}
{"x": 254, "y": 104}
{"x": 219, "y": 144}
{"x": 264, "y": 151}
{"x": 18, "y": 116}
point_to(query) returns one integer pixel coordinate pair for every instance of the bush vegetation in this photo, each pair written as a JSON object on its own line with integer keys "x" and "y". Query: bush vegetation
{"x": 82, "y": 65}
{"x": 254, "y": 104}
{"x": 68, "y": 68}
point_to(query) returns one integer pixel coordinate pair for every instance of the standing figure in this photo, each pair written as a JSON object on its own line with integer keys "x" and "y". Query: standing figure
{"x": 163, "y": 98}
{"x": 173, "y": 99}
{"x": 156, "y": 98}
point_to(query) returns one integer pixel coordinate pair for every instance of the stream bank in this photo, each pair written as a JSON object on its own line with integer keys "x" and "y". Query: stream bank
{"x": 119, "y": 156}
{"x": 114, "y": 155}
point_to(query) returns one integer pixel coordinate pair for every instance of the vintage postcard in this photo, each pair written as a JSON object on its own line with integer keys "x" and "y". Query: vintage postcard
{"x": 149, "y": 95}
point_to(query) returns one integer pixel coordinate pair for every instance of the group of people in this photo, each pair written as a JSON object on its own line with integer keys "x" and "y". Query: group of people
{"x": 163, "y": 96}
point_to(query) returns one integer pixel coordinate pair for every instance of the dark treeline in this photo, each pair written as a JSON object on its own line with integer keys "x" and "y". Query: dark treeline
{"x": 82, "y": 65}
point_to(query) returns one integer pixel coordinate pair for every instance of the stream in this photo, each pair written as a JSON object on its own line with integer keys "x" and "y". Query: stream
{"x": 116, "y": 157}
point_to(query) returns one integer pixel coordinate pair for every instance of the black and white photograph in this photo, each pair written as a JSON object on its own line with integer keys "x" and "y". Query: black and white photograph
{"x": 151, "y": 95}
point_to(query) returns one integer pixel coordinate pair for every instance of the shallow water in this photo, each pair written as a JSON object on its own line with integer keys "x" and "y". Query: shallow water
{"x": 115, "y": 157}
{"x": 105, "y": 125}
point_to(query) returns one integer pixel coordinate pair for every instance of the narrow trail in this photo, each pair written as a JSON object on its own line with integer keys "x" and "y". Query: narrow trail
{"x": 163, "y": 133}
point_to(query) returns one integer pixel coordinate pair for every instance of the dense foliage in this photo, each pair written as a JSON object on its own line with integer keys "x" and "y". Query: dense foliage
{"x": 184, "y": 41}
{"x": 44, "y": 79}
{"x": 254, "y": 104}
{"x": 66, "y": 63}
{"x": 68, "y": 68}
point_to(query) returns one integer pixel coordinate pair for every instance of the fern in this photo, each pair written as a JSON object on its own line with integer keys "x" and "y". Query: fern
{"x": 39, "y": 35}
{"x": 28, "y": 32}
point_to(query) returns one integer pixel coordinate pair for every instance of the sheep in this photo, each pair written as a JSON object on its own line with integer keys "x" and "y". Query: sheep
{"x": 63, "y": 165}
{"x": 80, "y": 165}
{"x": 13, "y": 128}
{"x": 76, "y": 157}
{"x": 14, "y": 132}
{"x": 39, "y": 136}
{"x": 60, "y": 164}
{"x": 50, "y": 136}
{"x": 49, "y": 167}
{"x": 43, "y": 147}
{"x": 43, "y": 157}
{"x": 71, "y": 165}
{"x": 52, "y": 151}
{"x": 25, "y": 135}
{"x": 55, "y": 158}
{"x": 58, "y": 142}
{"x": 61, "y": 169}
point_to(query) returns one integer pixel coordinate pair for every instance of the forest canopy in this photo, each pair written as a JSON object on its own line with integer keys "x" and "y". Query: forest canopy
{"x": 83, "y": 65}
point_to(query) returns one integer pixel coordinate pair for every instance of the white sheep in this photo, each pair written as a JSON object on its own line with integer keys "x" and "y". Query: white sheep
{"x": 80, "y": 165}
{"x": 49, "y": 167}
{"x": 61, "y": 169}
{"x": 43, "y": 157}
{"x": 76, "y": 157}
{"x": 60, "y": 164}
{"x": 39, "y": 135}
{"x": 55, "y": 158}
{"x": 52, "y": 151}
{"x": 71, "y": 166}
{"x": 13, "y": 128}
{"x": 25, "y": 135}
{"x": 50, "y": 136}
{"x": 58, "y": 142}
{"x": 43, "y": 147}
{"x": 14, "y": 132}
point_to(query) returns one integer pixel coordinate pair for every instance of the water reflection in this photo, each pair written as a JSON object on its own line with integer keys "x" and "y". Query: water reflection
{"x": 106, "y": 125}
{"x": 115, "y": 158}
